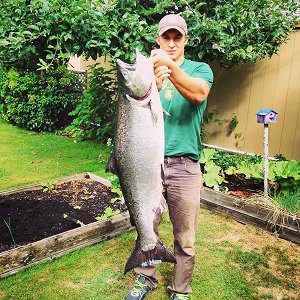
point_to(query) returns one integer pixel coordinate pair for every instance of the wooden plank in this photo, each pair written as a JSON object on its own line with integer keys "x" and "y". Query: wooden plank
{"x": 219, "y": 103}
{"x": 243, "y": 104}
{"x": 39, "y": 186}
{"x": 17, "y": 259}
{"x": 293, "y": 103}
{"x": 252, "y": 128}
{"x": 272, "y": 83}
{"x": 49, "y": 248}
{"x": 269, "y": 80}
{"x": 230, "y": 107}
{"x": 295, "y": 74}
{"x": 213, "y": 98}
{"x": 286, "y": 226}
{"x": 281, "y": 92}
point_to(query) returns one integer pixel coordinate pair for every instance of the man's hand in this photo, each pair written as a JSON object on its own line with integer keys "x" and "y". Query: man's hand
{"x": 161, "y": 73}
{"x": 161, "y": 61}
{"x": 161, "y": 58}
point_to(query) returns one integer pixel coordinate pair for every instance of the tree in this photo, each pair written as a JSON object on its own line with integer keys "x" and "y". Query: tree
{"x": 46, "y": 33}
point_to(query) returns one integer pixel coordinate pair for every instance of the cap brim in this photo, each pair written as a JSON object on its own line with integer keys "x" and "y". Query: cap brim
{"x": 164, "y": 29}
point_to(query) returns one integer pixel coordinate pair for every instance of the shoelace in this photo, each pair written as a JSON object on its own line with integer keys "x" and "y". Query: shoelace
{"x": 138, "y": 286}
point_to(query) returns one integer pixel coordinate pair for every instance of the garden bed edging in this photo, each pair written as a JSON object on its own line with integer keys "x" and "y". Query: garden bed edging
{"x": 22, "y": 257}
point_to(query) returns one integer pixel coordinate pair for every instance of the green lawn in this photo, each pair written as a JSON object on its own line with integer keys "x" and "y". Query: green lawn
{"x": 234, "y": 261}
{"x": 30, "y": 157}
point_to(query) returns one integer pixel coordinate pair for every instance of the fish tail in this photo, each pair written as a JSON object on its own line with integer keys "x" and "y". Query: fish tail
{"x": 140, "y": 258}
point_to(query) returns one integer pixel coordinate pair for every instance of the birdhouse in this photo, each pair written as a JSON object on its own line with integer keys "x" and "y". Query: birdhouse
{"x": 267, "y": 116}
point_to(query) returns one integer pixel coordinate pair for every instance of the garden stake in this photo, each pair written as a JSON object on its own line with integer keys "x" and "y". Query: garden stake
{"x": 266, "y": 116}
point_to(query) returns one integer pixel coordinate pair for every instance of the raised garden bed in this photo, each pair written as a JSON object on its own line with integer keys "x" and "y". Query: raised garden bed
{"x": 255, "y": 212}
{"x": 33, "y": 252}
{"x": 67, "y": 235}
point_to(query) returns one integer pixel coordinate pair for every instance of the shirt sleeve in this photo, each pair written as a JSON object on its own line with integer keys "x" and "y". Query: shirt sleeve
{"x": 204, "y": 71}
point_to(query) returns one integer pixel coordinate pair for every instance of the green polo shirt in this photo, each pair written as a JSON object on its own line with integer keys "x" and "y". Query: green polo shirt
{"x": 183, "y": 119}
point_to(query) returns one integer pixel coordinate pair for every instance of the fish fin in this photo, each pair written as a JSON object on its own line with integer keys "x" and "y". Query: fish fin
{"x": 111, "y": 165}
{"x": 153, "y": 112}
{"x": 152, "y": 257}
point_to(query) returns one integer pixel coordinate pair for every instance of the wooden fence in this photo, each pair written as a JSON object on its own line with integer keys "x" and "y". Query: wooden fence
{"x": 242, "y": 91}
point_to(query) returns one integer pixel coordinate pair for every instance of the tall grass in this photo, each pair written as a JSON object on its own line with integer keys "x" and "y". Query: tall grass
{"x": 289, "y": 200}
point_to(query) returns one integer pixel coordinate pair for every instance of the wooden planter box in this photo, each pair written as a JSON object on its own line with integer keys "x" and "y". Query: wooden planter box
{"x": 286, "y": 226}
{"x": 14, "y": 260}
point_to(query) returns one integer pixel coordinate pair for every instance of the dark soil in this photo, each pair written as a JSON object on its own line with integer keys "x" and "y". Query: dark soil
{"x": 34, "y": 215}
{"x": 239, "y": 186}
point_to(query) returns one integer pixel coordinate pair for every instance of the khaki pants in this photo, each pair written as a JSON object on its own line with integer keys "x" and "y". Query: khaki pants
{"x": 181, "y": 188}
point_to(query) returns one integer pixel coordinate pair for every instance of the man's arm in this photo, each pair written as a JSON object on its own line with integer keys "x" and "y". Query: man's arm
{"x": 195, "y": 90}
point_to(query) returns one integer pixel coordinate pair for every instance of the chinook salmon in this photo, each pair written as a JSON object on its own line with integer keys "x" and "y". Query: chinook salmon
{"x": 138, "y": 156}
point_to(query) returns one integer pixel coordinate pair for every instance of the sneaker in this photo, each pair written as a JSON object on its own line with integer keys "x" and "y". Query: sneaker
{"x": 178, "y": 296}
{"x": 139, "y": 290}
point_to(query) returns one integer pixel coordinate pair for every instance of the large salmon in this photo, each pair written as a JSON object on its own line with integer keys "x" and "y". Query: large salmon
{"x": 138, "y": 157}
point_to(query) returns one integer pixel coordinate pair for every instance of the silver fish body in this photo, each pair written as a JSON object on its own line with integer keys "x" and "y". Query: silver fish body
{"x": 138, "y": 157}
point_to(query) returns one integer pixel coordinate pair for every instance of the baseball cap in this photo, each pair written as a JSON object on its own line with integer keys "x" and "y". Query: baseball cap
{"x": 172, "y": 21}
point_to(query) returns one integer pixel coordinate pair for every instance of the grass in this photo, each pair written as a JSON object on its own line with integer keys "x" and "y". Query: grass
{"x": 289, "y": 200}
{"x": 234, "y": 261}
{"x": 30, "y": 157}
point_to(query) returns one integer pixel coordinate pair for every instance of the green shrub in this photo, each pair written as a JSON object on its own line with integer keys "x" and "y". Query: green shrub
{"x": 38, "y": 101}
{"x": 95, "y": 115}
{"x": 232, "y": 32}
{"x": 283, "y": 175}
{"x": 226, "y": 160}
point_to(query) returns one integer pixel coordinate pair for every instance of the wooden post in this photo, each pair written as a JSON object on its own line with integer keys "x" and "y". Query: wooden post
{"x": 266, "y": 159}
{"x": 266, "y": 117}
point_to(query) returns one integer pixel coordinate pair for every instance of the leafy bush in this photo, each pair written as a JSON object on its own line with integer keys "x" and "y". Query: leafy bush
{"x": 95, "y": 114}
{"x": 230, "y": 31}
{"x": 283, "y": 175}
{"x": 35, "y": 101}
{"x": 225, "y": 160}
{"x": 211, "y": 172}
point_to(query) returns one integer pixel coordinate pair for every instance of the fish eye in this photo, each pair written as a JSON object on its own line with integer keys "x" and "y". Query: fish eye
{"x": 125, "y": 73}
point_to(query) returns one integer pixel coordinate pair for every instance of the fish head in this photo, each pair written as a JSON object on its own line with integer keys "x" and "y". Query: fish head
{"x": 135, "y": 80}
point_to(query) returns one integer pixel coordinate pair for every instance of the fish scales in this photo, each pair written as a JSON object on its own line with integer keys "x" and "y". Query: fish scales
{"x": 138, "y": 157}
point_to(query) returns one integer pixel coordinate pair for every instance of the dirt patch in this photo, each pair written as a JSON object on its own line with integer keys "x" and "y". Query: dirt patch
{"x": 30, "y": 216}
{"x": 72, "y": 285}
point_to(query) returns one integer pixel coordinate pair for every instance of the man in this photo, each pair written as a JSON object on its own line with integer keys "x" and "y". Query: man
{"x": 184, "y": 86}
